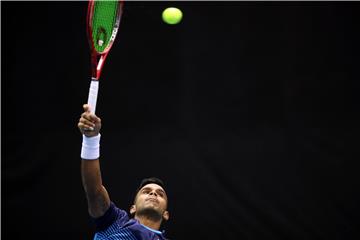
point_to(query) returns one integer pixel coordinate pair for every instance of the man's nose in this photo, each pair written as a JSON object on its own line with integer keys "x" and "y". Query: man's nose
{"x": 153, "y": 193}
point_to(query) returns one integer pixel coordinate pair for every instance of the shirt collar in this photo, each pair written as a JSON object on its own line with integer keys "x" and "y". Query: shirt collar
{"x": 153, "y": 230}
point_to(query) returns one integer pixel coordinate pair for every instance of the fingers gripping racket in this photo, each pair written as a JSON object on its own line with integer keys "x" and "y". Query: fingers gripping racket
{"x": 103, "y": 20}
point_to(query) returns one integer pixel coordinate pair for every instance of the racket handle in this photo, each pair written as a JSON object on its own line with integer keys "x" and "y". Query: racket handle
{"x": 93, "y": 93}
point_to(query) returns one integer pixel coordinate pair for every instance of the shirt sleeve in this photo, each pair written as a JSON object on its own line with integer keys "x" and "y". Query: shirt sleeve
{"x": 113, "y": 214}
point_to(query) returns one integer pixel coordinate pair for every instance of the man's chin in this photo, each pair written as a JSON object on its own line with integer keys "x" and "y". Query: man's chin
{"x": 150, "y": 212}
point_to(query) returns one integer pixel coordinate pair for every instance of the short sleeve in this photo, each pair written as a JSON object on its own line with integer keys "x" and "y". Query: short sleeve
{"x": 113, "y": 214}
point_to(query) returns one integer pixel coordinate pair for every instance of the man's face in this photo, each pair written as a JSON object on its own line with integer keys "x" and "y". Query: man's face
{"x": 151, "y": 198}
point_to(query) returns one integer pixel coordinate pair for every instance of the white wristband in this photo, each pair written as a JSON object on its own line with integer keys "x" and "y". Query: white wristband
{"x": 90, "y": 147}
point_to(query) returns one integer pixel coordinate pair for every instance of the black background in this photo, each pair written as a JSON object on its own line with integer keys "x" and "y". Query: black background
{"x": 247, "y": 110}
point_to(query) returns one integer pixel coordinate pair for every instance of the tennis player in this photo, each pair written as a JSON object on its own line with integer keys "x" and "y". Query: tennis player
{"x": 149, "y": 208}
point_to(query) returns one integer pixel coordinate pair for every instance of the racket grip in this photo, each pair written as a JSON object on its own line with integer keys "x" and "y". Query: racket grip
{"x": 93, "y": 93}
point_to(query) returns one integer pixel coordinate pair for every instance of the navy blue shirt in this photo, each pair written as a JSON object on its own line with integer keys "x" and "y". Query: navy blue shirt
{"x": 116, "y": 224}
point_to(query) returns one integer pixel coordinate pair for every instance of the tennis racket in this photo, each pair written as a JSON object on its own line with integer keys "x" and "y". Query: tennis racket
{"x": 103, "y": 20}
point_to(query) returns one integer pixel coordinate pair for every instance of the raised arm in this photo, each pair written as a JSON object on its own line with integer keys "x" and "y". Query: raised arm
{"x": 96, "y": 194}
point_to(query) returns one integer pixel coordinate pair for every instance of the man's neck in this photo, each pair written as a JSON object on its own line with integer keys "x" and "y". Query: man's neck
{"x": 148, "y": 222}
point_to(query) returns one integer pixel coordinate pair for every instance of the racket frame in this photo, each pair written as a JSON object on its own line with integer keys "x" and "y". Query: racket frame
{"x": 98, "y": 58}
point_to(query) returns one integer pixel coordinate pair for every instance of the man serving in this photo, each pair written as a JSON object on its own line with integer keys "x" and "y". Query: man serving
{"x": 149, "y": 208}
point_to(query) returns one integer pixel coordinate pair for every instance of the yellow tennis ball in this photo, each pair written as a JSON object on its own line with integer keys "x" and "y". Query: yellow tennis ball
{"x": 172, "y": 15}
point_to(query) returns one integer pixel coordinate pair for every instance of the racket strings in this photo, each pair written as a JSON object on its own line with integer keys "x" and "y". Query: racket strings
{"x": 103, "y": 23}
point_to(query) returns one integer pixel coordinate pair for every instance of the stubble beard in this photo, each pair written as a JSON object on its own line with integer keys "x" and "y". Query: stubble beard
{"x": 150, "y": 213}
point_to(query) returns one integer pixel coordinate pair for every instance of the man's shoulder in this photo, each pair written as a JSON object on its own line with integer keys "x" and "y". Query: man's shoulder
{"x": 112, "y": 215}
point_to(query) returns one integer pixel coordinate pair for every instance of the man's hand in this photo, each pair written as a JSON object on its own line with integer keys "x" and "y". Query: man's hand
{"x": 89, "y": 124}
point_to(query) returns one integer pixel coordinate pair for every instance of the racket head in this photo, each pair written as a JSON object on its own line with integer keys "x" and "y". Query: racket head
{"x": 103, "y": 20}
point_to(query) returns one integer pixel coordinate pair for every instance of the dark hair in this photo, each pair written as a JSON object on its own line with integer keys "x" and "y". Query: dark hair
{"x": 149, "y": 180}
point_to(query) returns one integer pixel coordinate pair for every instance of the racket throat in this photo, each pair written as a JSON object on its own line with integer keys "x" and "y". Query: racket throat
{"x": 99, "y": 66}
{"x": 98, "y": 63}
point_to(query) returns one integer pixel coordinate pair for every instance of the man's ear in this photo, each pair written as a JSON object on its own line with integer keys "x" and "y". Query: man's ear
{"x": 166, "y": 215}
{"x": 132, "y": 209}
